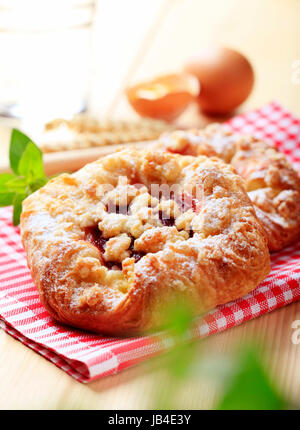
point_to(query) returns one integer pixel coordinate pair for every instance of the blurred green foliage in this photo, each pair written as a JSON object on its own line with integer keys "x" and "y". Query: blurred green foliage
{"x": 250, "y": 386}
{"x": 245, "y": 382}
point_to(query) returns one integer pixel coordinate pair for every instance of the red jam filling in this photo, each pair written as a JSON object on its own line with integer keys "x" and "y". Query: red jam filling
{"x": 94, "y": 236}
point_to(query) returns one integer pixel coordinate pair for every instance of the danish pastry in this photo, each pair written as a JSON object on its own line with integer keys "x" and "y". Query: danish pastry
{"x": 112, "y": 245}
{"x": 271, "y": 182}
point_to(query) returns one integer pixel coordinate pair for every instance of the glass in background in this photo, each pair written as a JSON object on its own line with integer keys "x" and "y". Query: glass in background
{"x": 45, "y": 50}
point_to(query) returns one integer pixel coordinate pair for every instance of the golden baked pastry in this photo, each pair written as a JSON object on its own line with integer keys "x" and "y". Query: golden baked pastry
{"x": 272, "y": 183}
{"x": 112, "y": 245}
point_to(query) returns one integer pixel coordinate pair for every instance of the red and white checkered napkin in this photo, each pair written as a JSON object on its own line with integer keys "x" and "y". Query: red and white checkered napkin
{"x": 88, "y": 356}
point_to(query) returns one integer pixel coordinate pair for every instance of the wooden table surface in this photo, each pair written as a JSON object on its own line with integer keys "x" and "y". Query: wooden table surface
{"x": 158, "y": 37}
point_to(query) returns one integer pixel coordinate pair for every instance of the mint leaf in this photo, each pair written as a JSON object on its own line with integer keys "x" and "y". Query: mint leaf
{"x": 18, "y": 144}
{"x": 36, "y": 185}
{"x": 17, "y": 202}
{"x": 26, "y": 161}
{"x": 17, "y": 185}
{"x": 6, "y": 195}
{"x": 31, "y": 163}
{"x": 4, "y": 178}
{"x": 6, "y": 198}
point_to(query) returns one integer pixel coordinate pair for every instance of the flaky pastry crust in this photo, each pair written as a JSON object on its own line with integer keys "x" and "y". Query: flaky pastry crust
{"x": 272, "y": 183}
{"x": 117, "y": 271}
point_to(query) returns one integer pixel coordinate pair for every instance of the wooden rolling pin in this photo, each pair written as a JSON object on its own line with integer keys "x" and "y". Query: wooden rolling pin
{"x": 69, "y": 161}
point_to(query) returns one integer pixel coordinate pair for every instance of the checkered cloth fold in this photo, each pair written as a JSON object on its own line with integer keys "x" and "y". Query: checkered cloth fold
{"x": 87, "y": 356}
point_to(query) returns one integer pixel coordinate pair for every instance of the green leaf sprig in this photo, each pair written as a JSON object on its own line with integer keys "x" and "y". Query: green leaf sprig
{"x": 26, "y": 162}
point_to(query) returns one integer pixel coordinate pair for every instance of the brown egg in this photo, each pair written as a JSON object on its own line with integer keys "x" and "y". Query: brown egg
{"x": 226, "y": 78}
{"x": 165, "y": 97}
